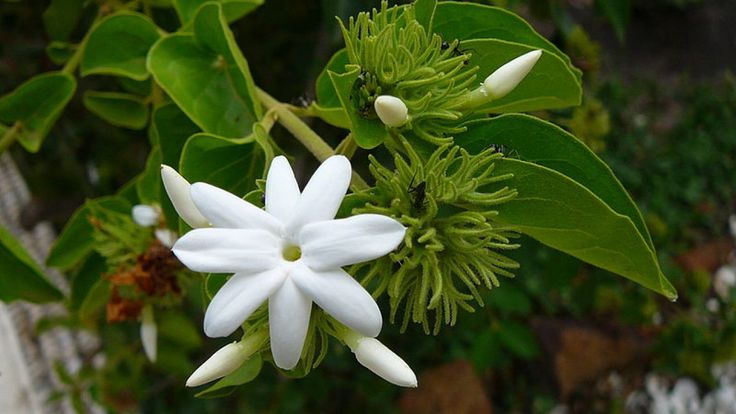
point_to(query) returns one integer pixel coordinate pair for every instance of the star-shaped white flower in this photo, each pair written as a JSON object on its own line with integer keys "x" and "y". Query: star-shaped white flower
{"x": 290, "y": 254}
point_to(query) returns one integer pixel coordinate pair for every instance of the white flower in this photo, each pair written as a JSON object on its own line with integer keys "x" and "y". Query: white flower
{"x": 290, "y": 254}
{"x": 499, "y": 83}
{"x": 149, "y": 333}
{"x": 391, "y": 110}
{"x": 177, "y": 187}
{"x": 145, "y": 215}
{"x": 375, "y": 356}
{"x": 724, "y": 280}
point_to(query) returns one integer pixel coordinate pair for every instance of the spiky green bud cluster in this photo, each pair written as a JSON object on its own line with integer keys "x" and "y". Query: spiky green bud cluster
{"x": 452, "y": 245}
{"x": 399, "y": 58}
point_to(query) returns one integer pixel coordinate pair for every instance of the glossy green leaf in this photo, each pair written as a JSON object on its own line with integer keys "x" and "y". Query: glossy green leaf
{"x": 245, "y": 374}
{"x": 118, "y": 46}
{"x": 94, "y": 303}
{"x": 35, "y": 105}
{"x": 61, "y": 17}
{"x": 21, "y": 278}
{"x": 60, "y": 52}
{"x": 326, "y": 93}
{"x": 368, "y": 133}
{"x": 564, "y": 215}
{"x": 464, "y": 21}
{"x": 207, "y": 76}
{"x": 149, "y": 185}
{"x": 550, "y": 84}
{"x": 424, "y": 11}
{"x": 75, "y": 240}
{"x": 232, "y": 164}
{"x": 84, "y": 279}
{"x": 119, "y": 109}
{"x": 233, "y": 9}
{"x": 532, "y": 139}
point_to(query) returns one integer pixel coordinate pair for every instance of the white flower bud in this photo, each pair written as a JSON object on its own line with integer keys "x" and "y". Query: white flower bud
{"x": 724, "y": 280}
{"x": 391, "y": 110}
{"x": 177, "y": 187}
{"x": 223, "y": 362}
{"x": 145, "y": 215}
{"x": 499, "y": 83}
{"x": 149, "y": 333}
{"x": 166, "y": 237}
{"x": 375, "y": 356}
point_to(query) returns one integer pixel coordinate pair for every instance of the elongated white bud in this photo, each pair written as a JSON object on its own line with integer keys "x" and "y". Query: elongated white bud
{"x": 149, "y": 333}
{"x": 145, "y": 215}
{"x": 226, "y": 360}
{"x": 177, "y": 187}
{"x": 375, "y": 356}
{"x": 391, "y": 110}
{"x": 508, "y": 76}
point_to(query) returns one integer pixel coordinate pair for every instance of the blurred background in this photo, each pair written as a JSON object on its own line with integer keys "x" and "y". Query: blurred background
{"x": 659, "y": 108}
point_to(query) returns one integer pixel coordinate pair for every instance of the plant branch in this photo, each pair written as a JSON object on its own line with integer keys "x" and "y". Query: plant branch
{"x": 10, "y": 136}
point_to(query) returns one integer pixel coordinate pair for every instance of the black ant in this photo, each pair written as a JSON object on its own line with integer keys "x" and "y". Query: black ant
{"x": 501, "y": 149}
{"x": 419, "y": 193}
{"x": 302, "y": 101}
{"x": 456, "y": 51}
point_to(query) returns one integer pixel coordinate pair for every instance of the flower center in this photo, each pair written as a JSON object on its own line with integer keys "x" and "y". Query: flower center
{"x": 291, "y": 253}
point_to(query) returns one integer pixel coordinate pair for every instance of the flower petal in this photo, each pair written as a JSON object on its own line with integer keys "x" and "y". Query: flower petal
{"x": 282, "y": 190}
{"x": 335, "y": 243}
{"x": 228, "y": 250}
{"x": 288, "y": 317}
{"x": 238, "y": 298}
{"x": 323, "y": 194}
{"x": 341, "y": 296}
{"x": 227, "y": 210}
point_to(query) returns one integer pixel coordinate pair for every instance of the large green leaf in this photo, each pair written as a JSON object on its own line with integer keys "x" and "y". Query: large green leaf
{"x": 119, "y": 109}
{"x": 368, "y": 133}
{"x": 232, "y": 164}
{"x": 207, "y": 76}
{"x": 326, "y": 93}
{"x": 61, "y": 17}
{"x": 244, "y": 374}
{"x": 464, "y": 21}
{"x": 34, "y": 106}
{"x": 564, "y": 215}
{"x": 20, "y": 276}
{"x": 532, "y": 139}
{"x": 233, "y": 9}
{"x": 75, "y": 240}
{"x": 424, "y": 11}
{"x": 149, "y": 185}
{"x": 118, "y": 46}
{"x": 550, "y": 84}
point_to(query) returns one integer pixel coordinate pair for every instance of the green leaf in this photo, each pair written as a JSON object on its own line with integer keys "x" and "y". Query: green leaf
{"x": 60, "y": 52}
{"x": 424, "y": 11}
{"x": 207, "y": 76}
{"x": 178, "y": 329}
{"x": 91, "y": 271}
{"x": 518, "y": 339}
{"x": 233, "y": 9}
{"x": 550, "y": 84}
{"x": 328, "y": 105}
{"x": 95, "y": 301}
{"x": 464, "y": 21}
{"x": 618, "y": 13}
{"x": 149, "y": 185}
{"x": 532, "y": 139}
{"x": 118, "y": 46}
{"x": 61, "y": 17}
{"x": 368, "y": 133}
{"x": 142, "y": 88}
{"x": 21, "y": 278}
{"x": 75, "y": 240}
{"x": 509, "y": 299}
{"x": 230, "y": 163}
{"x": 119, "y": 109}
{"x": 246, "y": 373}
{"x": 566, "y": 216}
{"x": 36, "y": 105}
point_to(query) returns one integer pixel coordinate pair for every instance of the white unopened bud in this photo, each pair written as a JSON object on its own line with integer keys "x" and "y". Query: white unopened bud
{"x": 375, "y": 356}
{"x": 145, "y": 215}
{"x": 508, "y": 76}
{"x": 391, "y": 110}
{"x": 177, "y": 187}
{"x": 166, "y": 237}
{"x": 724, "y": 280}
{"x": 223, "y": 362}
{"x": 149, "y": 333}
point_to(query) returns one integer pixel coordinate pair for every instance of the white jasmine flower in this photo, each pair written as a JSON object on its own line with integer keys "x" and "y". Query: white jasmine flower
{"x": 391, "y": 110}
{"x": 177, "y": 187}
{"x": 166, "y": 237}
{"x": 290, "y": 254}
{"x": 149, "y": 332}
{"x": 145, "y": 215}
{"x": 375, "y": 356}
{"x": 504, "y": 79}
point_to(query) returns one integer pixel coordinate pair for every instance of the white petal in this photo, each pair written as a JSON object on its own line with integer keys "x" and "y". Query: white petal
{"x": 238, "y": 298}
{"x": 149, "y": 333}
{"x": 227, "y": 210}
{"x": 341, "y": 296}
{"x": 323, "y": 194}
{"x": 282, "y": 190}
{"x": 226, "y": 360}
{"x": 178, "y": 190}
{"x": 288, "y": 317}
{"x": 383, "y": 362}
{"x": 145, "y": 215}
{"x": 334, "y": 243}
{"x": 228, "y": 250}
{"x": 499, "y": 83}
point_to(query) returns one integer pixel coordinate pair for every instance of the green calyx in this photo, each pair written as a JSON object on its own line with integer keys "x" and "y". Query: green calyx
{"x": 399, "y": 57}
{"x": 452, "y": 244}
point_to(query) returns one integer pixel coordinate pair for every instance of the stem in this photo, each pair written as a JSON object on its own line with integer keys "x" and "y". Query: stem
{"x": 301, "y": 131}
{"x": 10, "y": 136}
{"x": 347, "y": 146}
{"x": 472, "y": 100}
